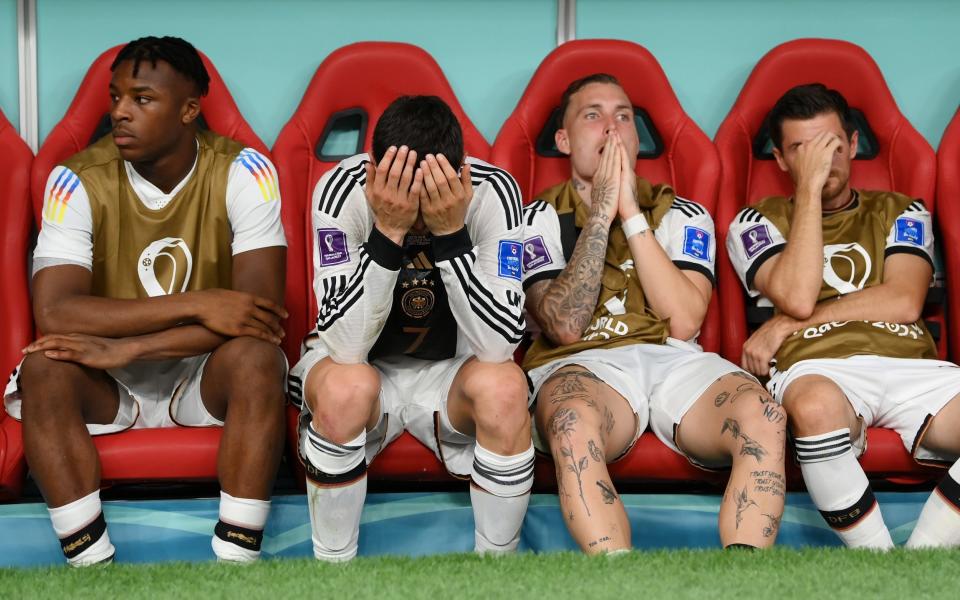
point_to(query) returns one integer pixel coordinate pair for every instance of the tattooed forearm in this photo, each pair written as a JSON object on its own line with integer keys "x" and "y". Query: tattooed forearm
{"x": 743, "y": 503}
{"x": 768, "y": 482}
{"x": 750, "y": 446}
{"x": 566, "y": 306}
{"x": 607, "y": 491}
{"x": 772, "y": 526}
{"x": 595, "y": 452}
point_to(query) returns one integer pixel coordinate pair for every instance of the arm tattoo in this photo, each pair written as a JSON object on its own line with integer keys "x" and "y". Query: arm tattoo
{"x": 750, "y": 447}
{"x": 568, "y": 303}
{"x": 609, "y": 495}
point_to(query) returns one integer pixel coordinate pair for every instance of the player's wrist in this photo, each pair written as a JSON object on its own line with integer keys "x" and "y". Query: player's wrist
{"x": 385, "y": 250}
{"x": 451, "y": 245}
{"x": 635, "y": 225}
{"x": 808, "y": 193}
{"x": 394, "y": 234}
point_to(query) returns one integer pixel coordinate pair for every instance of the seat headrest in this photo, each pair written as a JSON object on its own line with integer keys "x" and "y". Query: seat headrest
{"x": 670, "y": 140}
{"x": 892, "y": 154}
{"x": 356, "y": 83}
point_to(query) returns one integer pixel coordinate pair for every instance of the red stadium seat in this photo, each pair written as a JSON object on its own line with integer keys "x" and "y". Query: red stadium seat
{"x": 189, "y": 453}
{"x": 351, "y": 89}
{"x": 684, "y": 157}
{"x": 16, "y": 323}
{"x": 900, "y": 159}
{"x": 948, "y": 213}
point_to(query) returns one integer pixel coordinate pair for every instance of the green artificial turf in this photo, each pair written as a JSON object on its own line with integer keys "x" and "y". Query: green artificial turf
{"x": 778, "y": 574}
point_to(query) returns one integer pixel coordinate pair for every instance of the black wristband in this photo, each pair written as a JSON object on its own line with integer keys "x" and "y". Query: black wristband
{"x": 453, "y": 244}
{"x": 384, "y": 251}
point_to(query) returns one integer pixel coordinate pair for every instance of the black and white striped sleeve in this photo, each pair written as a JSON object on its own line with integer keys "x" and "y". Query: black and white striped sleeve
{"x": 355, "y": 267}
{"x": 481, "y": 266}
{"x": 752, "y": 240}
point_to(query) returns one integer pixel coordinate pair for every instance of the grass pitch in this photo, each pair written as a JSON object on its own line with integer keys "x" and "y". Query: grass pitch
{"x": 780, "y": 573}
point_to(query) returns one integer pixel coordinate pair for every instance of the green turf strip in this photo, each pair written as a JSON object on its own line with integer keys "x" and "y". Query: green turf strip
{"x": 780, "y": 573}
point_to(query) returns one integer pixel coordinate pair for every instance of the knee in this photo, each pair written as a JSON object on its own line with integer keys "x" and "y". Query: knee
{"x": 498, "y": 395}
{"x": 815, "y": 406}
{"x": 254, "y": 363}
{"x": 42, "y": 381}
{"x": 342, "y": 399}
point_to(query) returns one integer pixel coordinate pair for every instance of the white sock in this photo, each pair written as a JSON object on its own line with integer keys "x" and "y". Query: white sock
{"x": 840, "y": 489}
{"x": 499, "y": 495}
{"x": 239, "y": 533}
{"x": 336, "y": 491}
{"x": 83, "y": 531}
{"x": 939, "y": 522}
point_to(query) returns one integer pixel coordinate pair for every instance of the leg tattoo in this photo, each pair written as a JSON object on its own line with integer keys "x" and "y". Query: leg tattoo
{"x": 562, "y": 424}
{"x": 750, "y": 447}
{"x": 609, "y": 495}
{"x": 595, "y": 452}
{"x": 743, "y": 503}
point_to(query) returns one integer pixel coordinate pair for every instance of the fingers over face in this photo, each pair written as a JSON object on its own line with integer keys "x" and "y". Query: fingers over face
{"x": 384, "y": 166}
{"x": 396, "y": 169}
{"x": 431, "y": 178}
{"x": 416, "y": 188}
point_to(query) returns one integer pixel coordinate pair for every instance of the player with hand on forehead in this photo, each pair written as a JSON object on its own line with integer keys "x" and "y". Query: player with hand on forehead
{"x": 417, "y": 277}
{"x": 618, "y": 274}
{"x": 848, "y": 272}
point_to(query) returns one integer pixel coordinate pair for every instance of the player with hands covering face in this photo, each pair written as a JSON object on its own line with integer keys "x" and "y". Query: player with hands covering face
{"x": 417, "y": 266}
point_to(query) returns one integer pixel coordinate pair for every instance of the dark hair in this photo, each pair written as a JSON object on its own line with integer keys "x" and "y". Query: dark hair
{"x": 578, "y": 85}
{"x": 805, "y": 102}
{"x": 178, "y": 53}
{"x": 422, "y": 123}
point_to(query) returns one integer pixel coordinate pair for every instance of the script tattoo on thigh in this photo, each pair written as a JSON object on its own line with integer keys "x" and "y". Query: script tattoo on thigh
{"x": 607, "y": 491}
{"x": 750, "y": 446}
{"x": 774, "y": 413}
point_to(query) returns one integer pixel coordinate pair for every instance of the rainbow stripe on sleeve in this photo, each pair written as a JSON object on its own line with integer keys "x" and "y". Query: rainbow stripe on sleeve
{"x": 257, "y": 165}
{"x": 55, "y": 205}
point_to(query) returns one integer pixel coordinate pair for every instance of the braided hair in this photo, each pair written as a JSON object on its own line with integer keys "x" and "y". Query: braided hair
{"x": 178, "y": 53}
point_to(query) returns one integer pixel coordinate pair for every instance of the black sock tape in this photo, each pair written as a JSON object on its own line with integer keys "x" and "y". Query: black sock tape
{"x": 848, "y": 517}
{"x": 950, "y": 490}
{"x": 75, "y": 543}
{"x": 241, "y": 536}
{"x": 320, "y": 478}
